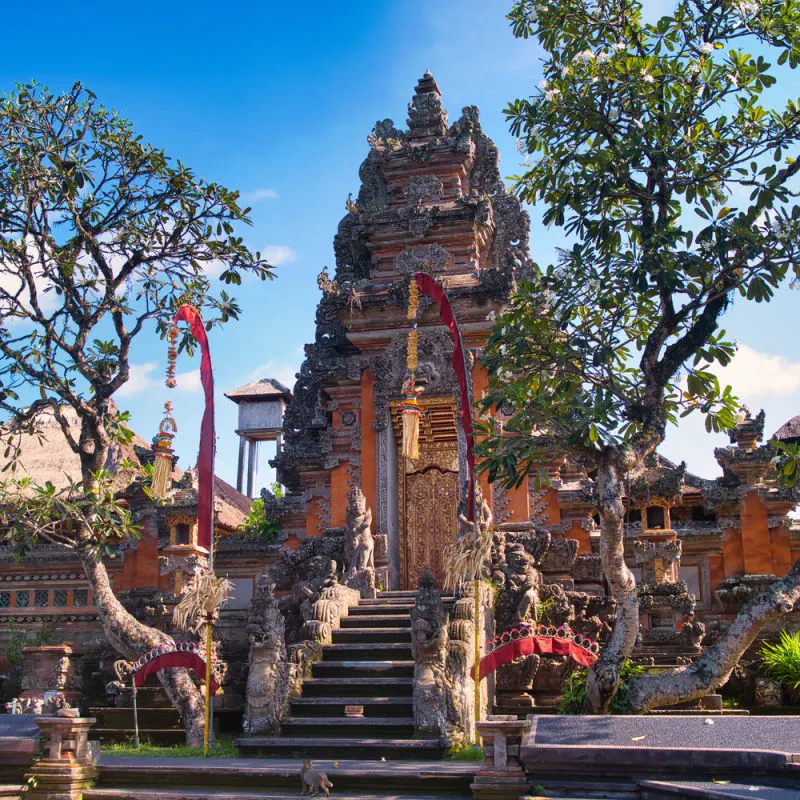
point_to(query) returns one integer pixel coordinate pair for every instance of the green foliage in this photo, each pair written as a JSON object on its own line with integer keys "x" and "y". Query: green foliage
{"x": 465, "y": 752}
{"x": 781, "y": 660}
{"x": 650, "y": 144}
{"x": 102, "y": 236}
{"x": 574, "y": 696}
{"x": 257, "y": 525}
{"x": 786, "y": 461}
{"x": 223, "y": 747}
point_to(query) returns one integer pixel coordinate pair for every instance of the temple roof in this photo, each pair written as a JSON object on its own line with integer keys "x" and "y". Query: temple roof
{"x": 789, "y": 431}
{"x": 263, "y": 389}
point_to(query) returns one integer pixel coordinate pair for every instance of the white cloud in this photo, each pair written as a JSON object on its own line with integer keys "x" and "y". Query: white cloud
{"x": 278, "y": 254}
{"x": 259, "y": 194}
{"x": 188, "y": 381}
{"x": 141, "y": 379}
{"x": 285, "y": 373}
{"x": 753, "y": 374}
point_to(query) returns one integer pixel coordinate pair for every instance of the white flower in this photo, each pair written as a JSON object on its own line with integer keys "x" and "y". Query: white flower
{"x": 733, "y": 78}
{"x": 552, "y": 94}
{"x": 647, "y": 77}
{"x": 602, "y": 58}
{"x": 745, "y": 8}
{"x": 565, "y": 70}
{"x": 707, "y": 47}
{"x": 584, "y": 57}
{"x": 544, "y": 84}
{"x": 618, "y": 46}
{"x": 693, "y": 68}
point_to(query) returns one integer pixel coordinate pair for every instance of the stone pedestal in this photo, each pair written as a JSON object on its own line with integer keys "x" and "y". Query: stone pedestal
{"x": 69, "y": 767}
{"x": 501, "y": 776}
{"x": 50, "y": 679}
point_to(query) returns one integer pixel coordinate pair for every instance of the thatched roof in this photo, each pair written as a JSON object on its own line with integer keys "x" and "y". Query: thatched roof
{"x": 789, "y": 431}
{"x": 45, "y": 455}
{"x": 264, "y": 389}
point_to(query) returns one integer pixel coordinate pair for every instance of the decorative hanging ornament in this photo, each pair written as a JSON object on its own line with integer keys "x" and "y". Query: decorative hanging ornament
{"x": 162, "y": 442}
{"x": 411, "y": 411}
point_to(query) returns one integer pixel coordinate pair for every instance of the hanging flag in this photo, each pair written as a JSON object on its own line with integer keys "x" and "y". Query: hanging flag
{"x": 430, "y": 287}
{"x": 205, "y": 458}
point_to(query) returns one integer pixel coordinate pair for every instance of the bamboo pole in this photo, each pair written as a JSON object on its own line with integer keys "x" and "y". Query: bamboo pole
{"x": 135, "y": 712}
{"x": 206, "y": 731}
{"x": 477, "y": 609}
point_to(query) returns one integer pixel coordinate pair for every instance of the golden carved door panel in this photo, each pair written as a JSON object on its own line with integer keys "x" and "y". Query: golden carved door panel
{"x": 431, "y": 502}
{"x": 427, "y": 491}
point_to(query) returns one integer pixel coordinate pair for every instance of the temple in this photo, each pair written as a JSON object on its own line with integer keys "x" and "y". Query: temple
{"x": 431, "y": 200}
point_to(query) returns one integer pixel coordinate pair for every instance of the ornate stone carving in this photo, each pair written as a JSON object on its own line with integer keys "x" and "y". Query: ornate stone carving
{"x": 432, "y": 256}
{"x": 269, "y": 672}
{"x": 561, "y": 555}
{"x": 359, "y": 545}
{"x": 423, "y": 189}
{"x": 768, "y": 693}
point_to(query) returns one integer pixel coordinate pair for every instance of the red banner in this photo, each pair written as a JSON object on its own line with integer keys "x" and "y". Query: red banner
{"x": 205, "y": 457}
{"x": 428, "y": 285}
{"x": 544, "y": 645}
{"x": 190, "y": 660}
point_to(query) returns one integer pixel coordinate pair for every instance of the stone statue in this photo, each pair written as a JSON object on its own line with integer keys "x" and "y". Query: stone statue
{"x": 268, "y": 676}
{"x": 519, "y": 586}
{"x": 435, "y": 709}
{"x": 359, "y": 545}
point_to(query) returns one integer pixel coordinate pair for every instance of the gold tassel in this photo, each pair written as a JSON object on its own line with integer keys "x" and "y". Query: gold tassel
{"x": 162, "y": 447}
{"x": 411, "y": 410}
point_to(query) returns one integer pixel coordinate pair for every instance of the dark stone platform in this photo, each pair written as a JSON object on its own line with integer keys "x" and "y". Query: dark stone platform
{"x": 729, "y": 733}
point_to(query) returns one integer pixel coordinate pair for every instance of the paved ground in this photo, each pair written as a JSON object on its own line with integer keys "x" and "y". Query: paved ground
{"x": 733, "y": 790}
{"x": 734, "y": 733}
{"x": 289, "y": 766}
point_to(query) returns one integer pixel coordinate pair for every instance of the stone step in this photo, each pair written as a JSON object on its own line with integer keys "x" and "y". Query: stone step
{"x": 708, "y": 790}
{"x": 376, "y": 621}
{"x": 334, "y": 706}
{"x": 348, "y": 727}
{"x": 166, "y": 737}
{"x": 385, "y": 609}
{"x": 382, "y": 600}
{"x": 619, "y": 790}
{"x": 422, "y": 777}
{"x": 363, "y": 669}
{"x": 365, "y": 748}
{"x": 357, "y": 687}
{"x": 376, "y": 635}
{"x": 367, "y": 651}
{"x": 140, "y": 793}
{"x": 119, "y": 717}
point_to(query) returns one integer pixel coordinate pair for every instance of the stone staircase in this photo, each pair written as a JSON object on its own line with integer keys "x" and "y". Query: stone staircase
{"x": 369, "y": 664}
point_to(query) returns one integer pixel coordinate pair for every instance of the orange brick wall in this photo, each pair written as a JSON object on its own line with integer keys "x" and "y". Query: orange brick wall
{"x": 755, "y": 537}
{"x": 732, "y": 553}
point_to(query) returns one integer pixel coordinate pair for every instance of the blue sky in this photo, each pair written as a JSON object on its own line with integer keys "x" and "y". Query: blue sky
{"x": 276, "y": 100}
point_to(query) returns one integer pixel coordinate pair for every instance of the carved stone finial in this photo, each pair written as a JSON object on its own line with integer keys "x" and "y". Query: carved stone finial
{"x": 748, "y": 430}
{"x": 426, "y": 117}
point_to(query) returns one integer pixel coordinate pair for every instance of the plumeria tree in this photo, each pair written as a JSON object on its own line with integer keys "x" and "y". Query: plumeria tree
{"x": 651, "y": 142}
{"x": 101, "y": 237}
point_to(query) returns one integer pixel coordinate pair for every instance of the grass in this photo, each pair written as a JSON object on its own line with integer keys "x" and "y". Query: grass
{"x": 467, "y": 752}
{"x": 222, "y": 748}
{"x": 781, "y": 661}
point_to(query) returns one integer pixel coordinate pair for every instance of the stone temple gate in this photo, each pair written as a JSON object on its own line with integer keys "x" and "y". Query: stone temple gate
{"x": 431, "y": 200}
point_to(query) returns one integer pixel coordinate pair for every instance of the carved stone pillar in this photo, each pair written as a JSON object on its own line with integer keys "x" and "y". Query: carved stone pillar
{"x": 501, "y": 776}
{"x": 69, "y": 768}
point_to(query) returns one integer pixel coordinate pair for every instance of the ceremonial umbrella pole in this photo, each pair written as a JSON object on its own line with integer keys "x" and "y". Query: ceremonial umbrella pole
{"x": 471, "y": 553}
{"x": 207, "y": 592}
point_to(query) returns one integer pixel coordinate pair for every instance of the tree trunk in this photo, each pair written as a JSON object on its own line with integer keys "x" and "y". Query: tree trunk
{"x": 131, "y": 639}
{"x": 604, "y": 676}
{"x": 713, "y": 669}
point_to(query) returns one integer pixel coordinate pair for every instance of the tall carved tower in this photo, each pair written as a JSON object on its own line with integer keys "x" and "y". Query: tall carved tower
{"x": 431, "y": 199}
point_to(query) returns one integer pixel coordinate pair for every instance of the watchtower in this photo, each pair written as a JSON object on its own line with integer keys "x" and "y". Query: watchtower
{"x": 261, "y": 404}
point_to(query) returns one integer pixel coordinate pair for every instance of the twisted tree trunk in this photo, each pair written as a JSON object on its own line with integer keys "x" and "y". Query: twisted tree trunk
{"x": 713, "y": 669}
{"x": 604, "y": 677}
{"x": 131, "y": 639}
